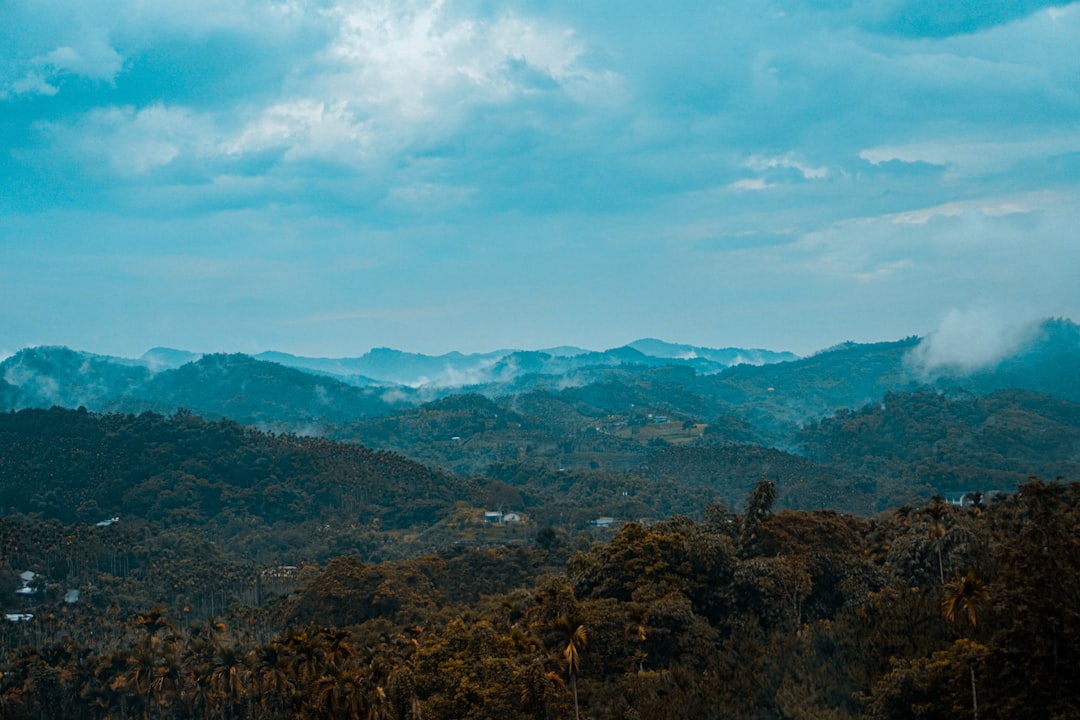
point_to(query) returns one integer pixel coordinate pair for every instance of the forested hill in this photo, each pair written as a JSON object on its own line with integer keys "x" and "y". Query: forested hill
{"x": 75, "y": 466}
{"x": 280, "y": 496}
{"x": 958, "y": 442}
{"x": 238, "y": 387}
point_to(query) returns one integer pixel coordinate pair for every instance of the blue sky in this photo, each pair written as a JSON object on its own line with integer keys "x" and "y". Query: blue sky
{"x": 323, "y": 176}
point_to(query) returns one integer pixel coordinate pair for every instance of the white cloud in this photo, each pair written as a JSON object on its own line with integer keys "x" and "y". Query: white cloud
{"x": 33, "y": 82}
{"x": 749, "y": 184}
{"x": 971, "y": 339}
{"x": 428, "y": 197}
{"x": 882, "y": 271}
{"x": 43, "y": 75}
{"x": 392, "y": 79}
{"x": 95, "y": 60}
{"x": 787, "y": 161}
{"x": 134, "y": 141}
{"x": 407, "y": 75}
{"x": 418, "y": 58}
{"x": 1057, "y": 14}
{"x": 52, "y": 41}
{"x": 304, "y": 129}
{"x": 1008, "y": 246}
{"x": 988, "y": 207}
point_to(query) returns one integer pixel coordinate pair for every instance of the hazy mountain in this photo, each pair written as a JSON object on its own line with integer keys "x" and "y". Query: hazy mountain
{"x": 344, "y": 369}
{"x": 564, "y": 350}
{"x": 387, "y": 365}
{"x": 781, "y": 397}
{"x": 47, "y": 376}
{"x": 454, "y": 369}
{"x": 254, "y": 392}
{"x": 234, "y": 386}
{"x": 1048, "y": 362}
{"x": 725, "y": 356}
{"x": 161, "y": 358}
{"x": 764, "y": 403}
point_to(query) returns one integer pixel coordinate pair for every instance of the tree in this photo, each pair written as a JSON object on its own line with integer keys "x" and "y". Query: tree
{"x": 758, "y": 506}
{"x": 964, "y": 594}
{"x": 575, "y": 643}
{"x": 539, "y": 688}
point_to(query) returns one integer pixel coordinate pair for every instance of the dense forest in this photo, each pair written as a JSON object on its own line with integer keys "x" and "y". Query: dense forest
{"x": 640, "y": 537}
{"x": 928, "y": 612}
{"x": 181, "y": 568}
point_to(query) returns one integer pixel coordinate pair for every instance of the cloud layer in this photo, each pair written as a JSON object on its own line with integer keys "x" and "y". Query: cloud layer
{"x": 327, "y": 175}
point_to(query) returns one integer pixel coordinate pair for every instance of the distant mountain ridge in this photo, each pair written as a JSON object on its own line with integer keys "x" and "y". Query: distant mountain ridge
{"x": 59, "y": 375}
{"x": 727, "y": 357}
{"x": 387, "y": 366}
{"x": 762, "y": 396}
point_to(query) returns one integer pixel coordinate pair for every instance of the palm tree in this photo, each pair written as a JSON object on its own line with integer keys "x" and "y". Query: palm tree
{"x": 306, "y": 650}
{"x": 108, "y": 687}
{"x": 166, "y": 683}
{"x": 936, "y": 532}
{"x": 273, "y": 674}
{"x": 154, "y": 621}
{"x": 338, "y": 693}
{"x": 758, "y": 506}
{"x": 963, "y": 596}
{"x": 575, "y": 643}
{"x": 538, "y": 688}
{"x": 338, "y": 651}
{"x": 637, "y": 630}
{"x": 964, "y": 593}
{"x": 135, "y": 681}
{"x": 227, "y": 681}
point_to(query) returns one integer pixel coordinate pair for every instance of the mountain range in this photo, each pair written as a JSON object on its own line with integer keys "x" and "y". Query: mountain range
{"x": 767, "y": 394}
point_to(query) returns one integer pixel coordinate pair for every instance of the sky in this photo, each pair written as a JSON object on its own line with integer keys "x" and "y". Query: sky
{"x": 323, "y": 177}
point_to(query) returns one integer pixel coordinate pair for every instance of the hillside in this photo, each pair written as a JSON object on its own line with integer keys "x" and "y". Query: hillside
{"x": 253, "y": 492}
{"x": 959, "y": 442}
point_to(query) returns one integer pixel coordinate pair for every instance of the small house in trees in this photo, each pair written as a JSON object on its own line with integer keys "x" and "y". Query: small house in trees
{"x": 972, "y": 498}
{"x": 959, "y": 499}
{"x": 26, "y": 577}
{"x": 498, "y": 516}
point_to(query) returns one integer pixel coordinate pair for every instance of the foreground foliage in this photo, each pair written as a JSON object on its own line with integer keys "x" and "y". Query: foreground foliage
{"x": 922, "y": 613}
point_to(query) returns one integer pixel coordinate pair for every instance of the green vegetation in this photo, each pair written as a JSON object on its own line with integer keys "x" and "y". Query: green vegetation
{"x": 631, "y": 540}
{"x": 757, "y": 615}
